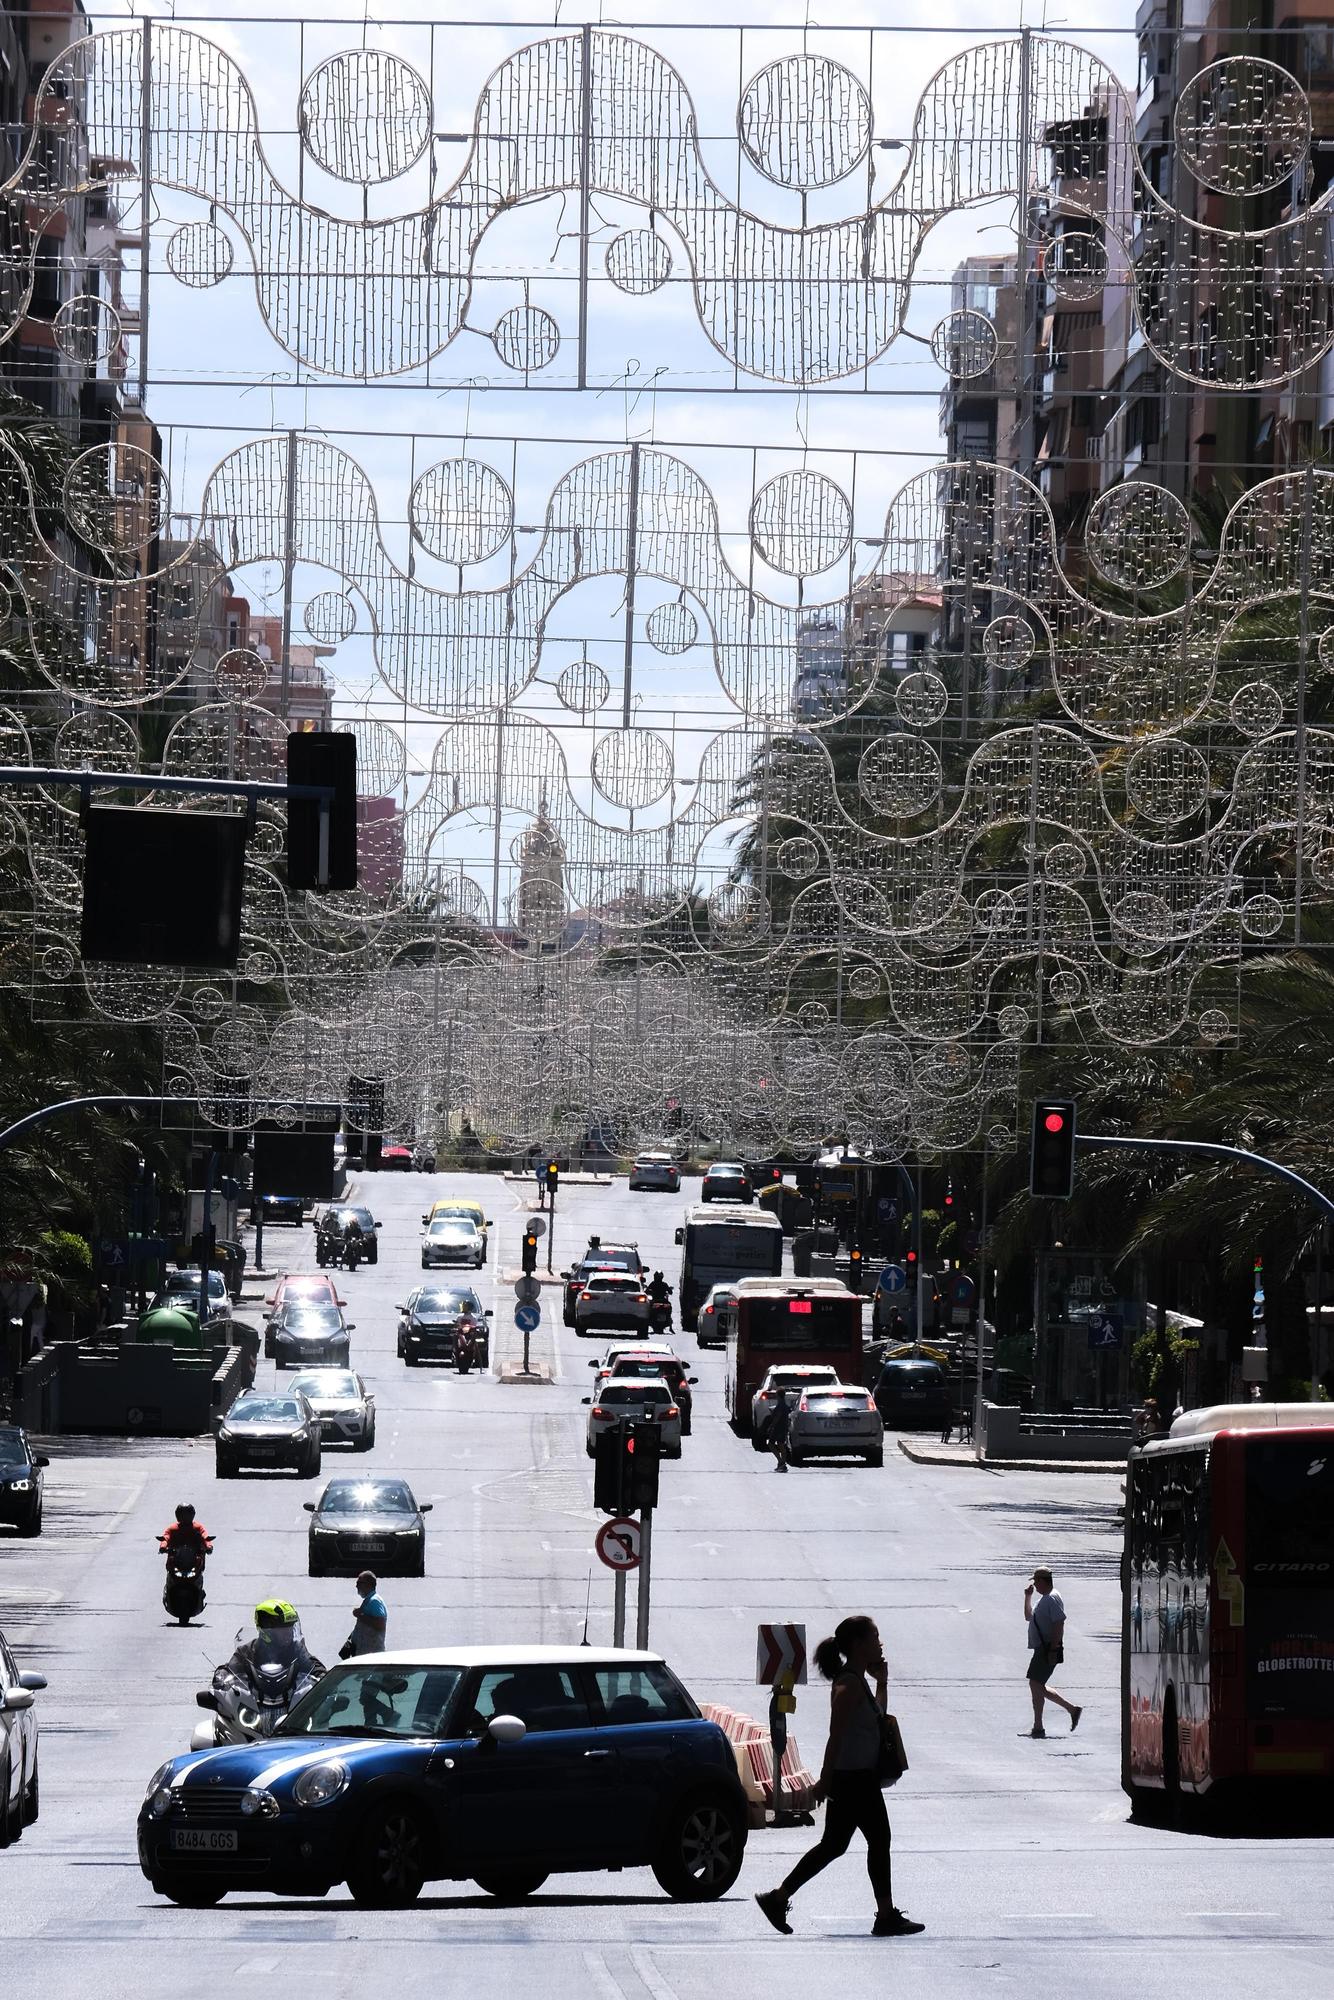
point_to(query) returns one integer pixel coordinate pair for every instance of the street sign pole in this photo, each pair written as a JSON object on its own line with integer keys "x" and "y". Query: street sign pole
{"x": 645, "y": 1577}
{"x": 551, "y": 1233}
{"x": 618, "y": 1611}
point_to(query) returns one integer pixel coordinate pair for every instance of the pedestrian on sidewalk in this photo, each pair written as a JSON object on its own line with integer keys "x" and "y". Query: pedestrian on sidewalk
{"x": 370, "y": 1620}
{"x": 850, "y": 1777}
{"x": 1046, "y": 1639}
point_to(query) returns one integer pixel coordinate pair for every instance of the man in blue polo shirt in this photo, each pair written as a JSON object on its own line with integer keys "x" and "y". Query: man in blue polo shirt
{"x": 371, "y": 1622}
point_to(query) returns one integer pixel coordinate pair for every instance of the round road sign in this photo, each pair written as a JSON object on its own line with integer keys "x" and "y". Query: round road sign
{"x": 527, "y": 1318}
{"x": 893, "y": 1278}
{"x": 527, "y": 1291}
{"x": 536, "y": 1225}
{"x": 617, "y": 1543}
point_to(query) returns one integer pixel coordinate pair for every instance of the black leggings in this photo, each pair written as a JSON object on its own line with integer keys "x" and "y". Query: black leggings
{"x": 855, "y": 1804}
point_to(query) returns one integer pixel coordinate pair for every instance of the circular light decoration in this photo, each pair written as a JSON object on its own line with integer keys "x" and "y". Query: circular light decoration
{"x": 1167, "y": 781}
{"x": 1065, "y": 988}
{"x": 11, "y": 831}
{"x": 813, "y": 1016}
{"x": 330, "y": 618}
{"x": 58, "y": 962}
{"x": 365, "y": 116}
{"x": 1000, "y": 1138}
{"x": 1137, "y": 537}
{"x": 672, "y": 628}
{"x": 632, "y": 767}
{"x": 638, "y": 261}
{"x": 921, "y": 699}
{"x": 381, "y": 757}
{"x": 241, "y": 674}
{"x": 526, "y": 338}
{"x": 801, "y": 523}
{"x": 996, "y": 910}
{"x": 964, "y": 344}
{"x": 1322, "y": 867}
{"x": 804, "y": 121}
{"x": 798, "y": 858}
{"x": 1256, "y": 709}
{"x": 199, "y": 254}
{"x": 864, "y": 982}
{"x": 6, "y": 605}
{"x": 1261, "y": 916}
{"x": 1012, "y": 1023}
{"x": 97, "y": 739}
{"x": 261, "y": 967}
{"x": 1141, "y": 918}
{"x": 1064, "y": 862}
{"x": 582, "y": 687}
{"x": 737, "y": 911}
{"x": 1009, "y": 642}
{"x": 208, "y": 1003}
{"x": 1214, "y": 1025}
{"x": 1074, "y": 261}
{"x": 461, "y": 511}
{"x": 85, "y": 328}
{"x": 1242, "y": 126}
{"x": 1325, "y": 647}
{"x": 116, "y": 497}
{"x": 899, "y": 776}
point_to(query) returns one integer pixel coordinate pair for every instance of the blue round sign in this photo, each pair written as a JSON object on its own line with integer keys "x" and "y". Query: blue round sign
{"x": 527, "y": 1318}
{"x": 893, "y": 1278}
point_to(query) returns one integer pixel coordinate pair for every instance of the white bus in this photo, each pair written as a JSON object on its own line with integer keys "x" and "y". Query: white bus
{"x": 723, "y": 1241}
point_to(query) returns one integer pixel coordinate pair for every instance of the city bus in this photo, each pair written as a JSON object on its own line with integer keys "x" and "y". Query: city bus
{"x": 721, "y": 1242}
{"x": 788, "y": 1321}
{"x": 1227, "y": 1638}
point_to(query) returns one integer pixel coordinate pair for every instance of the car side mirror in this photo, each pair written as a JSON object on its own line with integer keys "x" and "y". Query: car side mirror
{"x": 692, "y": 1378}
{"x": 487, "y": 1313}
{"x": 400, "y": 1307}
{"x": 203, "y": 1736}
{"x": 308, "y": 1506}
{"x": 595, "y": 1364}
{"x": 490, "y": 1222}
{"x": 40, "y": 1458}
{"x": 585, "y": 1399}
{"x": 426, "y": 1507}
{"x": 351, "y": 1326}
{"x": 17, "y": 1699}
{"x": 680, "y": 1236}
{"x": 33, "y": 1682}
{"x": 206, "y": 1699}
{"x": 425, "y": 1220}
{"x": 506, "y": 1729}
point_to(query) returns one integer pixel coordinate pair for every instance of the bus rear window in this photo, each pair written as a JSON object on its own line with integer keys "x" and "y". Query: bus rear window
{"x": 734, "y": 1244}
{"x": 774, "y": 1324}
{"x": 1290, "y": 1577}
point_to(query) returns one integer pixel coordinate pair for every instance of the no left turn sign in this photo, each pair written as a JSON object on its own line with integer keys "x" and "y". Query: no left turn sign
{"x": 617, "y": 1543}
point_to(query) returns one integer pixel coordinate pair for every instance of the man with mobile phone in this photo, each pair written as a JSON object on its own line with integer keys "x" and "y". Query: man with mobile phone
{"x": 1045, "y": 1619}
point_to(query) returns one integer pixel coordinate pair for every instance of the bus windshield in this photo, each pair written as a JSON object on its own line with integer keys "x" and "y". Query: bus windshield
{"x": 774, "y": 1326}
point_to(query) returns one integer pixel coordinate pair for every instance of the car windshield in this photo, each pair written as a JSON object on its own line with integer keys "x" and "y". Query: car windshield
{"x": 362, "y": 1700}
{"x": 365, "y": 1496}
{"x": 446, "y": 1305}
{"x": 645, "y": 1371}
{"x": 310, "y": 1315}
{"x": 453, "y": 1226}
{"x": 323, "y": 1383}
{"x": 799, "y": 1378}
{"x": 457, "y": 1208}
{"x": 612, "y": 1260}
{"x": 267, "y": 1410}
{"x": 11, "y": 1442}
{"x": 653, "y": 1391}
{"x": 188, "y": 1281}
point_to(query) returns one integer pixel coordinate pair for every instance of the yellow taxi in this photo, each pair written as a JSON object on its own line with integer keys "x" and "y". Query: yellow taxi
{"x": 472, "y": 1210}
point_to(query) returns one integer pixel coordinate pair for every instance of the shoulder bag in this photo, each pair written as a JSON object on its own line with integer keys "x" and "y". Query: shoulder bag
{"x": 893, "y": 1759}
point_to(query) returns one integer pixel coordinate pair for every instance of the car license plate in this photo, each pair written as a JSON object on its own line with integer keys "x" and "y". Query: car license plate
{"x": 372, "y": 1548}
{"x": 203, "y": 1840}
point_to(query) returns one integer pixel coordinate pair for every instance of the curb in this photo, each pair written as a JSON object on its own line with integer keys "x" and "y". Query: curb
{"x": 920, "y": 1456}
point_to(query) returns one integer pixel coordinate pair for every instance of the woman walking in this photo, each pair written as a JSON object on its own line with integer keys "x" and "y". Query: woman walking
{"x": 849, "y": 1777}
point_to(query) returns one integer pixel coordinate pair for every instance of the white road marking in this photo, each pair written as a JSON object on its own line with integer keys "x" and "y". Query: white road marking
{"x": 603, "y": 1977}
{"x": 643, "y": 1963}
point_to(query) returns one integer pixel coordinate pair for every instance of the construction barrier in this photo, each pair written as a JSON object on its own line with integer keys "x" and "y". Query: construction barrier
{"x": 753, "y": 1750}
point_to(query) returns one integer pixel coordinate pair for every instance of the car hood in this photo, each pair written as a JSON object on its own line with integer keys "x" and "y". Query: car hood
{"x": 287, "y": 1428}
{"x": 315, "y": 1334}
{"x": 278, "y": 1760}
{"x": 365, "y": 1524}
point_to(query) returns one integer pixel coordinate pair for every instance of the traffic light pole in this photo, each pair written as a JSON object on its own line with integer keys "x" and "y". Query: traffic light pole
{"x": 1106, "y": 1141}
{"x": 645, "y": 1577}
{"x": 618, "y": 1612}
{"x": 551, "y": 1229}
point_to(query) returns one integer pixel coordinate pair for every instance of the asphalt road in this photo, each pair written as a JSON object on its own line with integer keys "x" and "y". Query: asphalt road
{"x": 1018, "y": 1856}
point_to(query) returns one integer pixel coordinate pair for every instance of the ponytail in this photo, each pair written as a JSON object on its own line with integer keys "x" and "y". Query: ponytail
{"x": 831, "y": 1655}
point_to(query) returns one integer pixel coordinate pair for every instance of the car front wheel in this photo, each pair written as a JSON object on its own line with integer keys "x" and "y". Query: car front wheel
{"x": 32, "y": 1799}
{"x": 700, "y": 1854}
{"x": 389, "y": 1861}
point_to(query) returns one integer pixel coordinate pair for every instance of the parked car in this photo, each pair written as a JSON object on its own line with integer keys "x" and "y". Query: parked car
{"x": 21, "y": 1480}
{"x": 309, "y": 1333}
{"x": 617, "y": 1401}
{"x": 496, "y": 1764}
{"x": 726, "y": 1181}
{"x": 836, "y": 1419}
{"x": 643, "y": 1367}
{"x": 343, "y": 1404}
{"x": 914, "y": 1392}
{"x": 656, "y": 1170}
{"x": 283, "y": 1208}
{"x": 181, "y": 1288}
{"x": 19, "y": 1789}
{"x": 268, "y": 1431}
{"x": 792, "y": 1376}
{"x": 469, "y": 1211}
{"x": 599, "y": 1256}
{"x": 610, "y": 1298}
{"x": 362, "y": 1224}
{"x": 430, "y": 1319}
{"x": 452, "y": 1239}
{"x": 710, "y": 1323}
{"x": 355, "y": 1520}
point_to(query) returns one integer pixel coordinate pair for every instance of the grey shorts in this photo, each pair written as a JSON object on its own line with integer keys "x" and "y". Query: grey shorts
{"x": 1043, "y": 1662}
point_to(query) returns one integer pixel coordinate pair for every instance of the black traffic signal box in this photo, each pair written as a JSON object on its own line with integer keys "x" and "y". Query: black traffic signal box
{"x": 626, "y": 1457}
{"x": 529, "y": 1252}
{"x": 1051, "y": 1165}
{"x": 553, "y": 1177}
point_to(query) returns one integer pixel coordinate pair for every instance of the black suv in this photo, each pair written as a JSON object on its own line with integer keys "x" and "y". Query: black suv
{"x": 20, "y": 1480}
{"x": 599, "y": 1256}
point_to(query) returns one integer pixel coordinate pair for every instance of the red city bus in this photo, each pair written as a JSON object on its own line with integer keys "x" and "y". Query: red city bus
{"x": 1227, "y": 1636}
{"x": 776, "y": 1322}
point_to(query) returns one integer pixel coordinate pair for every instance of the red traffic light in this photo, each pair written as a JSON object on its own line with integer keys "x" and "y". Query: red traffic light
{"x": 911, "y": 1257}
{"x": 1054, "y": 1121}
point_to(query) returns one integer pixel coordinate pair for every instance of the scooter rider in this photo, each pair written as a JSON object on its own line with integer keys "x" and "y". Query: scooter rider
{"x": 278, "y": 1639}
{"x": 659, "y": 1291}
{"x": 186, "y": 1536}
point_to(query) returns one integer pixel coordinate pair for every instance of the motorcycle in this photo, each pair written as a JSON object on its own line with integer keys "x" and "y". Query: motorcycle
{"x": 660, "y": 1316}
{"x": 248, "y": 1707}
{"x": 183, "y": 1595}
{"x": 337, "y": 1246}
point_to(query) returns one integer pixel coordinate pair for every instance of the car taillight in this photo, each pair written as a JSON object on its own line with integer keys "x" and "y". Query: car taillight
{"x": 804, "y": 1405}
{"x": 641, "y": 1298}
{"x": 671, "y": 1411}
{"x": 709, "y": 1311}
{"x": 766, "y": 1395}
{"x": 584, "y": 1296}
{"x": 870, "y": 1404}
{"x": 598, "y": 1411}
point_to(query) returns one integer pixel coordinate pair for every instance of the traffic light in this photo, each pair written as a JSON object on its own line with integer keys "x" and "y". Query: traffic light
{"x": 643, "y": 1450}
{"x": 854, "y": 1270}
{"x": 1051, "y": 1165}
{"x": 553, "y": 1177}
{"x": 949, "y": 1194}
{"x": 609, "y": 1463}
{"x": 910, "y": 1259}
{"x": 322, "y": 757}
{"x": 529, "y": 1252}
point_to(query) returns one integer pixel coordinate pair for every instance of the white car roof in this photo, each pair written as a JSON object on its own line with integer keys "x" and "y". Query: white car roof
{"x": 793, "y": 1288}
{"x": 1248, "y": 1417}
{"x": 802, "y": 1368}
{"x": 505, "y": 1655}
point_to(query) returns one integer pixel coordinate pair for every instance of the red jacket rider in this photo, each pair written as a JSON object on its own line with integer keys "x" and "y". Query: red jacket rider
{"x": 186, "y": 1535}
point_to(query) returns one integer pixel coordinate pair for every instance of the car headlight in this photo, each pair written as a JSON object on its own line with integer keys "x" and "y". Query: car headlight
{"x": 253, "y": 1802}
{"x": 19, "y": 1485}
{"x": 157, "y": 1795}
{"x": 321, "y": 1784}
{"x": 224, "y": 1435}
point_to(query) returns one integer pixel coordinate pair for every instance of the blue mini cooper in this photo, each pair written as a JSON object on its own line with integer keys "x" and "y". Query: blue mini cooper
{"x": 495, "y": 1764}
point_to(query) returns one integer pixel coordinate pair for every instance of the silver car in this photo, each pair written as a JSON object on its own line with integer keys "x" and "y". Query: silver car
{"x": 343, "y": 1404}
{"x": 618, "y": 1402}
{"x": 836, "y": 1420}
{"x": 795, "y": 1377}
{"x": 655, "y": 1170}
{"x": 610, "y": 1299}
{"x": 18, "y": 1746}
{"x": 452, "y": 1239}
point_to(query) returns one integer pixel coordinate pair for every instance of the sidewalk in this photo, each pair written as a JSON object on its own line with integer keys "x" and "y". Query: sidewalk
{"x": 935, "y": 1453}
